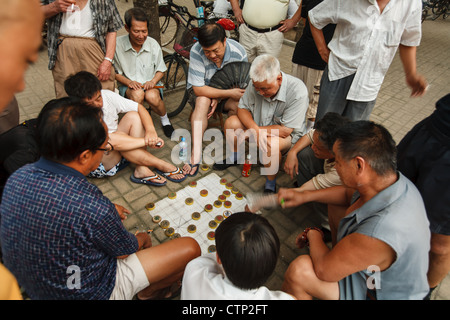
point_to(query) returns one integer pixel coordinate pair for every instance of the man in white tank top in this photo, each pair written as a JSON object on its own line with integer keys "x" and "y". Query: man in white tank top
{"x": 81, "y": 37}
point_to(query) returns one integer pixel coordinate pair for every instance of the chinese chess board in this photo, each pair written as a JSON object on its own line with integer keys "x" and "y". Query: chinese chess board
{"x": 179, "y": 211}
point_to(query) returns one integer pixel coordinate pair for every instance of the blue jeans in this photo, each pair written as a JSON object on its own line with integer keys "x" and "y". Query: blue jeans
{"x": 333, "y": 98}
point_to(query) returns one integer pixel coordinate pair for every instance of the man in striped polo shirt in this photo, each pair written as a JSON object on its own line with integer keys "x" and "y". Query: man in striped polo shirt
{"x": 211, "y": 53}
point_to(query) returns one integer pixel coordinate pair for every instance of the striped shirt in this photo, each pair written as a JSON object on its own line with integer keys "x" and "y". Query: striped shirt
{"x": 53, "y": 223}
{"x": 106, "y": 18}
{"x": 201, "y": 69}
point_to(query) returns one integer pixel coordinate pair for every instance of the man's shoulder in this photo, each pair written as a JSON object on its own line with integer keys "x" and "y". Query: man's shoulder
{"x": 292, "y": 81}
{"x": 236, "y": 47}
{"x": 152, "y": 42}
{"x": 122, "y": 44}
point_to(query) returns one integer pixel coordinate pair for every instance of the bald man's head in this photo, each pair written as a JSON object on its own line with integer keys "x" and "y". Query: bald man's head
{"x": 20, "y": 38}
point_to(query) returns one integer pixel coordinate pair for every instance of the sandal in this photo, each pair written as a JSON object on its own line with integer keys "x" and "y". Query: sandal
{"x": 148, "y": 180}
{"x": 168, "y": 175}
{"x": 194, "y": 166}
{"x": 166, "y": 293}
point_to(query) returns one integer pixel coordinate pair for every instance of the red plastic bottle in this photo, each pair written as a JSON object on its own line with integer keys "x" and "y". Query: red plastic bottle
{"x": 247, "y": 168}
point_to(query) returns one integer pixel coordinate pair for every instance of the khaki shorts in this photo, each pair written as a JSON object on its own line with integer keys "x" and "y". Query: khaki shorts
{"x": 130, "y": 278}
{"x": 78, "y": 54}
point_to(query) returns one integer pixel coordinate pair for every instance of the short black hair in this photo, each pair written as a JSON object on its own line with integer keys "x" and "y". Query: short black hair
{"x": 372, "y": 142}
{"x": 209, "y": 33}
{"x": 137, "y": 14}
{"x": 83, "y": 85}
{"x": 327, "y": 126}
{"x": 67, "y": 127}
{"x": 248, "y": 248}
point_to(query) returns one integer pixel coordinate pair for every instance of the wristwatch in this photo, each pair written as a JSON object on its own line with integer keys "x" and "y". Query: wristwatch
{"x": 108, "y": 59}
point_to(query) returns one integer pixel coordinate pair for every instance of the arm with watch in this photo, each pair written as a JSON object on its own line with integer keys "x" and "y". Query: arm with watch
{"x": 104, "y": 69}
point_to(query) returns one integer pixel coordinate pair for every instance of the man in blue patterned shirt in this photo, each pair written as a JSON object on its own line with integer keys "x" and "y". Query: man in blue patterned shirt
{"x": 61, "y": 237}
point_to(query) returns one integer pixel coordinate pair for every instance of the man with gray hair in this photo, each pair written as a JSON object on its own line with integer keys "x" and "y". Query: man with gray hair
{"x": 272, "y": 112}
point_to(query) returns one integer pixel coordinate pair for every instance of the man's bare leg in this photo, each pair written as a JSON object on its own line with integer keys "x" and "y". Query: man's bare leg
{"x": 301, "y": 281}
{"x": 199, "y": 123}
{"x": 164, "y": 264}
{"x": 131, "y": 124}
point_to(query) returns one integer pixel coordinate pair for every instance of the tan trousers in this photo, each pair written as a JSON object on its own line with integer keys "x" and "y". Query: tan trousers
{"x": 75, "y": 55}
{"x": 311, "y": 78}
{"x": 257, "y": 44}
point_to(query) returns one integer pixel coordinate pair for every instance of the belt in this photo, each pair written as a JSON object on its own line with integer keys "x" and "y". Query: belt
{"x": 263, "y": 30}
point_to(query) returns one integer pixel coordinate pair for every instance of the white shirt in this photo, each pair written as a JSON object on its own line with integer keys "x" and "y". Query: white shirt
{"x": 365, "y": 41}
{"x": 204, "y": 279}
{"x": 113, "y": 105}
{"x": 78, "y": 23}
{"x": 264, "y": 13}
{"x": 138, "y": 66}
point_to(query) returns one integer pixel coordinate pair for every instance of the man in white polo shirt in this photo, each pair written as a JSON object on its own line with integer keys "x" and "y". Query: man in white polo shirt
{"x": 366, "y": 38}
{"x": 140, "y": 66}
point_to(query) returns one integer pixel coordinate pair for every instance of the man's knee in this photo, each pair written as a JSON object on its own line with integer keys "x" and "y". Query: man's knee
{"x": 232, "y": 122}
{"x": 190, "y": 246}
{"x": 153, "y": 97}
{"x": 135, "y": 95}
{"x": 131, "y": 117}
{"x": 300, "y": 269}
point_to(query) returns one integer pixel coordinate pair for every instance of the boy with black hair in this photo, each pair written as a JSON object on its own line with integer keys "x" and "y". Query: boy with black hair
{"x": 129, "y": 137}
{"x": 247, "y": 253}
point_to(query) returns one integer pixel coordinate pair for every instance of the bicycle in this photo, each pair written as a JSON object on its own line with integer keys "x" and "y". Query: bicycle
{"x": 437, "y": 7}
{"x": 169, "y": 22}
{"x": 175, "y": 79}
{"x": 441, "y": 7}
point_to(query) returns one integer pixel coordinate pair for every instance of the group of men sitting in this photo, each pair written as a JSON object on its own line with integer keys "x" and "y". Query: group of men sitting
{"x": 348, "y": 166}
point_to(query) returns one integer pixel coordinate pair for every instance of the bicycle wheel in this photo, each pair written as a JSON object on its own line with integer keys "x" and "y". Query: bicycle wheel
{"x": 439, "y": 8}
{"x": 168, "y": 26}
{"x": 175, "y": 94}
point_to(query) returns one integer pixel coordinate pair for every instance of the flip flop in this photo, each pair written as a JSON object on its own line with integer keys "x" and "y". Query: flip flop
{"x": 168, "y": 175}
{"x": 148, "y": 180}
{"x": 196, "y": 171}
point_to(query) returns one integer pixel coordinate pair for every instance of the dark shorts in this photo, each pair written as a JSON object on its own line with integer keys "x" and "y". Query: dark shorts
{"x": 333, "y": 98}
{"x": 424, "y": 158}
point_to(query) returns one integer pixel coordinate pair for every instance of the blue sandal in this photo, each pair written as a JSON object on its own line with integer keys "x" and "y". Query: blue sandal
{"x": 148, "y": 180}
{"x": 168, "y": 175}
{"x": 196, "y": 171}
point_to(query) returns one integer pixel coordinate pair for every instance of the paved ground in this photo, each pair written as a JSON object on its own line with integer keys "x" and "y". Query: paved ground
{"x": 394, "y": 109}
